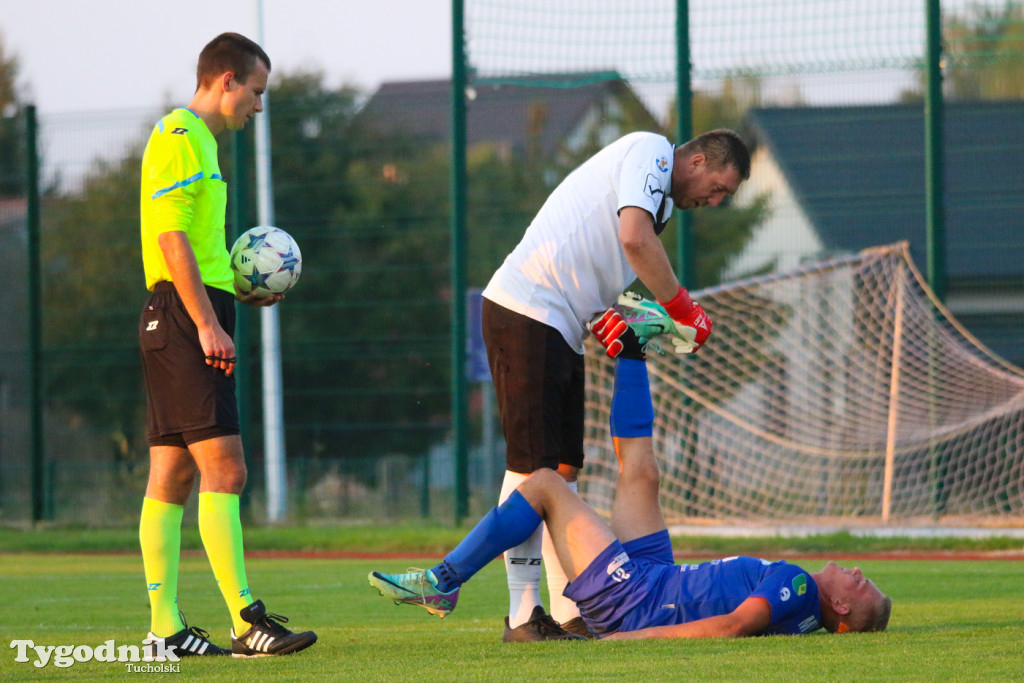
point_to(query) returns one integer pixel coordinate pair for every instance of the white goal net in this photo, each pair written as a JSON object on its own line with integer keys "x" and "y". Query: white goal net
{"x": 839, "y": 392}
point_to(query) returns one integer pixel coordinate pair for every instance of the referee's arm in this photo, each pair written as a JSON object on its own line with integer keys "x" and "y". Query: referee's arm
{"x": 217, "y": 344}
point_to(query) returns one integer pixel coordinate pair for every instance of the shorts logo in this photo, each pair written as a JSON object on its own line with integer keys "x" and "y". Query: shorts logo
{"x": 615, "y": 569}
{"x": 529, "y": 561}
{"x": 800, "y": 584}
{"x": 152, "y": 325}
{"x": 662, "y": 163}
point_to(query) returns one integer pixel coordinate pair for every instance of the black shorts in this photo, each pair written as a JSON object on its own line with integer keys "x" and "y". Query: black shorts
{"x": 188, "y": 400}
{"x": 539, "y": 380}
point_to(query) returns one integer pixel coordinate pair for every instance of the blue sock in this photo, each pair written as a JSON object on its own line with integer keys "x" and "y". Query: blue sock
{"x": 504, "y": 527}
{"x": 632, "y": 410}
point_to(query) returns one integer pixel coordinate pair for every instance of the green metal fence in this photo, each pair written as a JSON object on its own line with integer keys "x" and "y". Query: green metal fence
{"x": 367, "y": 336}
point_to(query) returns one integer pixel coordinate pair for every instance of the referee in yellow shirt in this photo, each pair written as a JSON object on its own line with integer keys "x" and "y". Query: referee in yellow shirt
{"x": 185, "y": 333}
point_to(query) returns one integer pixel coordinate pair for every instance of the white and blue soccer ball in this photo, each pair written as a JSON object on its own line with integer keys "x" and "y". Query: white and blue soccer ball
{"x": 266, "y": 260}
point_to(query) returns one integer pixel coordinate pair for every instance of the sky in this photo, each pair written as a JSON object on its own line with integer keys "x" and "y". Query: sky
{"x": 88, "y": 55}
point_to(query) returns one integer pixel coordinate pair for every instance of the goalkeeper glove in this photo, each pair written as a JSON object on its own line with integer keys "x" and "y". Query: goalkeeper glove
{"x": 617, "y": 338}
{"x": 691, "y": 322}
{"x": 650, "y": 321}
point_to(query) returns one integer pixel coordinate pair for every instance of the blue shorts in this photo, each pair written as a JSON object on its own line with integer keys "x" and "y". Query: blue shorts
{"x": 622, "y": 580}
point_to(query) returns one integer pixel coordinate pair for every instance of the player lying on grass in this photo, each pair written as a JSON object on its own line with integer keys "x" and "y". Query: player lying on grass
{"x": 623, "y": 576}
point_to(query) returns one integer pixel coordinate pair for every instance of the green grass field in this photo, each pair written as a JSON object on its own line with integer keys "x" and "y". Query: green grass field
{"x": 953, "y": 619}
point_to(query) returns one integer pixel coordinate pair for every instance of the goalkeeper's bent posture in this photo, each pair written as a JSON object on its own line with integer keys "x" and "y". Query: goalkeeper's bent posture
{"x": 623, "y": 577}
{"x": 594, "y": 236}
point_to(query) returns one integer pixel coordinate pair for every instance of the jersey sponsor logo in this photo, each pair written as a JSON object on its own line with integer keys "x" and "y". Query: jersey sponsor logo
{"x": 652, "y": 188}
{"x": 784, "y": 594}
{"x": 179, "y": 131}
{"x": 529, "y": 561}
{"x": 662, "y": 163}
{"x": 800, "y": 584}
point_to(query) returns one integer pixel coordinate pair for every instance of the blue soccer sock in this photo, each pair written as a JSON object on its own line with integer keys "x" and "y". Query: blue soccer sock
{"x": 504, "y": 527}
{"x": 632, "y": 413}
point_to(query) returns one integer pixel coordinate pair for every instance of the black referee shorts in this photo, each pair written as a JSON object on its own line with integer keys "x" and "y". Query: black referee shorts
{"x": 188, "y": 400}
{"x": 539, "y": 381}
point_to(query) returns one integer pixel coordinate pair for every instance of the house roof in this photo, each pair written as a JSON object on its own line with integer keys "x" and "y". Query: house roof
{"x": 859, "y": 173}
{"x": 510, "y": 114}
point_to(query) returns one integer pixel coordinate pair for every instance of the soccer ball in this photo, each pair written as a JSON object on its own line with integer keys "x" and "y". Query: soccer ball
{"x": 266, "y": 260}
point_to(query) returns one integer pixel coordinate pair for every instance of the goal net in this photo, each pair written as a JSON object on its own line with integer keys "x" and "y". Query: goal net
{"x": 840, "y": 392}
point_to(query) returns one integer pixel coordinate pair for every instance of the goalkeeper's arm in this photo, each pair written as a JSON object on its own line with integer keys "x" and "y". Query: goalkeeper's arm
{"x": 647, "y": 256}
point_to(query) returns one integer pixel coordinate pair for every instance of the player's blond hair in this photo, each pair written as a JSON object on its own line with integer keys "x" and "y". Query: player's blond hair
{"x": 875, "y": 616}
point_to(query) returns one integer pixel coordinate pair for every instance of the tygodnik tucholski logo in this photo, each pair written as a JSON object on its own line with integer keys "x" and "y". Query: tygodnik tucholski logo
{"x": 153, "y": 655}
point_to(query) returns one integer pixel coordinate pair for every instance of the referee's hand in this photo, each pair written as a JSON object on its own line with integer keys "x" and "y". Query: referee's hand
{"x": 218, "y": 348}
{"x": 254, "y": 299}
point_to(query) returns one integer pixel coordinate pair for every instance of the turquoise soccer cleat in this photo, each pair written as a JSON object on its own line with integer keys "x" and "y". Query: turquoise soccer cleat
{"x": 417, "y": 587}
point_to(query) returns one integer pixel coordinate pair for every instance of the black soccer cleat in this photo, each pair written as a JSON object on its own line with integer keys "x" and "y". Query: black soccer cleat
{"x": 188, "y": 642}
{"x": 540, "y": 627}
{"x": 267, "y": 636}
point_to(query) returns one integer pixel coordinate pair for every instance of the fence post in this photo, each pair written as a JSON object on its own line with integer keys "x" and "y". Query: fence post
{"x": 459, "y": 388}
{"x": 35, "y": 315}
{"x": 934, "y": 166}
{"x": 684, "y": 131}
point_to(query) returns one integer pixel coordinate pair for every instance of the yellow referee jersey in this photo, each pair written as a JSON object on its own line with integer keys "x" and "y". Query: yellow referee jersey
{"x": 182, "y": 189}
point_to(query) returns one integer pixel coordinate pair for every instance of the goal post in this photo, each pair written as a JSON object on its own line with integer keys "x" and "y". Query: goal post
{"x": 841, "y": 392}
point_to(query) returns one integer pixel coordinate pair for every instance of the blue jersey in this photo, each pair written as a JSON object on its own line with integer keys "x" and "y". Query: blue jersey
{"x": 628, "y": 588}
{"x": 718, "y": 587}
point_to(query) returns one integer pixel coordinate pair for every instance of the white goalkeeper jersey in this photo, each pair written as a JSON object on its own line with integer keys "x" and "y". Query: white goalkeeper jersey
{"x": 570, "y": 265}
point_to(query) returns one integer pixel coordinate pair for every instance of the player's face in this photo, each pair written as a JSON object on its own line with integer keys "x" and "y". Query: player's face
{"x": 700, "y": 185}
{"x": 851, "y": 587}
{"x": 244, "y": 100}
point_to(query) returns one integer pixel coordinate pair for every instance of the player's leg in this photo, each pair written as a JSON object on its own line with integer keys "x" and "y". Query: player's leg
{"x": 217, "y": 449}
{"x": 171, "y": 475}
{"x": 636, "y": 511}
{"x": 529, "y": 364}
{"x": 223, "y": 474}
{"x": 168, "y": 352}
{"x": 254, "y": 631}
{"x": 578, "y": 533}
{"x": 563, "y": 610}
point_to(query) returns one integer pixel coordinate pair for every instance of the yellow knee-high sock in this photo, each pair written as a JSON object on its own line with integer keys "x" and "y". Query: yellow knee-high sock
{"x": 220, "y": 527}
{"x": 160, "y": 538}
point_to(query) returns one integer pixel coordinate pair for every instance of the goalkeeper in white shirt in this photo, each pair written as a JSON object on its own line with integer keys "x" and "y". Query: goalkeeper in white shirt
{"x": 594, "y": 236}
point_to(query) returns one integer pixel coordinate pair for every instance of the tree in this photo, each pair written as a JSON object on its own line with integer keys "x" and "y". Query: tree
{"x": 12, "y": 147}
{"x": 985, "y": 51}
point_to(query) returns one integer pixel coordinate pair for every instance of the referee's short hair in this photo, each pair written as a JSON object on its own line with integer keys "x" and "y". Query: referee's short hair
{"x": 229, "y": 52}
